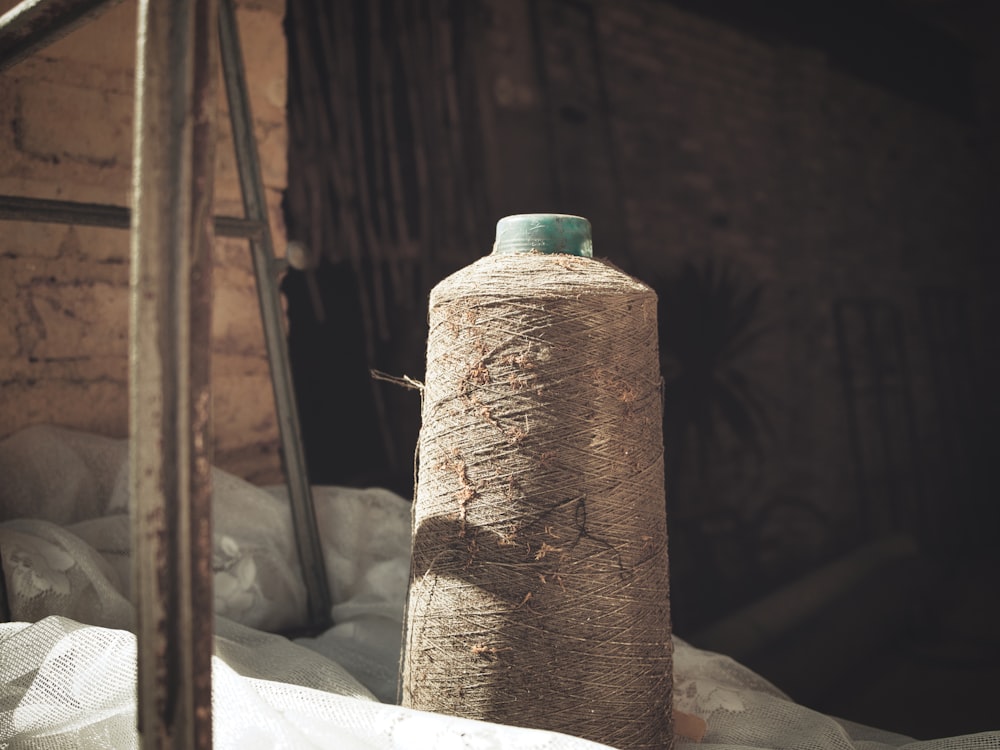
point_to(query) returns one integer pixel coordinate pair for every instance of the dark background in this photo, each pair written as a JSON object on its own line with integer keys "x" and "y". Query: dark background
{"x": 810, "y": 187}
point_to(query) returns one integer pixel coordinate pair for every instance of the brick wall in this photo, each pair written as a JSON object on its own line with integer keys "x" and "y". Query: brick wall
{"x": 693, "y": 140}
{"x": 66, "y": 133}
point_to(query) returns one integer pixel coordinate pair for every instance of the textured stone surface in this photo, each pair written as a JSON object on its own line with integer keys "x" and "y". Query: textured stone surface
{"x": 67, "y": 113}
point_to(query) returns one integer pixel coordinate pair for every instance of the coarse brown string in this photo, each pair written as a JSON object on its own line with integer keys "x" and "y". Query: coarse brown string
{"x": 539, "y": 590}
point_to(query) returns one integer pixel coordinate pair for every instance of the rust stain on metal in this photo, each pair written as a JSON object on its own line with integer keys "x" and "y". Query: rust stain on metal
{"x": 172, "y": 235}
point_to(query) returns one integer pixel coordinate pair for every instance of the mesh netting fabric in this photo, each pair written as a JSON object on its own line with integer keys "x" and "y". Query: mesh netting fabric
{"x": 67, "y": 667}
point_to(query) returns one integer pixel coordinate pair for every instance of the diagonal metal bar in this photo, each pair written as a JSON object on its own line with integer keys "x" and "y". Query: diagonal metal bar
{"x": 32, "y": 24}
{"x": 169, "y": 398}
{"x": 255, "y": 206}
{"x": 16, "y": 208}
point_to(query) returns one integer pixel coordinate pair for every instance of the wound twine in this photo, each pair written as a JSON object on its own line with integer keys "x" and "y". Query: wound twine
{"x": 539, "y": 589}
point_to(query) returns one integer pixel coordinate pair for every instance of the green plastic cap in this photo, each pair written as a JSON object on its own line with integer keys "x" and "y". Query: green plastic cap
{"x": 544, "y": 233}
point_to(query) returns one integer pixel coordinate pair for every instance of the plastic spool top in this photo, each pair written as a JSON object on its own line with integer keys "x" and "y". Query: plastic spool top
{"x": 544, "y": 233}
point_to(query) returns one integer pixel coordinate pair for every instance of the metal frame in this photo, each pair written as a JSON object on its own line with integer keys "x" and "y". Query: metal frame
{"x": 170, "y": 311}
{"x": 170, "y": 315}
{"x": 262, "y": 249}
{"x": 16, "y": 208}
{"x": 33, "y": 24}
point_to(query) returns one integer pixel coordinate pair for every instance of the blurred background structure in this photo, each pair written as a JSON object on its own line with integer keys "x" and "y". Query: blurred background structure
{"x": 812, "y": 189}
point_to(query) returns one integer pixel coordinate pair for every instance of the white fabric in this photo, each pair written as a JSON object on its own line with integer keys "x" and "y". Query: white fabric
{"x": 67, "y": 667}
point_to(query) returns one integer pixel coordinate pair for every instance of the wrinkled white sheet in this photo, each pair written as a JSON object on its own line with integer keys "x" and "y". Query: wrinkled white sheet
{"x": 67, "y": 665}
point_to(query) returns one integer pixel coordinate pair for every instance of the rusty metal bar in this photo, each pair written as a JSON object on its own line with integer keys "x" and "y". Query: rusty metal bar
{"x": 33, "y": 24}
{"x": 204, "y": 104}
{"x": 255, "y": 206}
{"x": 16, "y": 208}
{"x": 168, "y": 384}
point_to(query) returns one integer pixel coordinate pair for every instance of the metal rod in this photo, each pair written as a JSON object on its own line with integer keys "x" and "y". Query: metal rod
{"x": 255, "y": 206}
{"x": 841, "y": 309}
{"x": 913, "y": 471}
{"x": 16, "y": 208}
{"x": 5, "y": 613}
{"x": 204, "y": 104}
{"x": 33, "y": 24}
{"x": 170, "y": 247}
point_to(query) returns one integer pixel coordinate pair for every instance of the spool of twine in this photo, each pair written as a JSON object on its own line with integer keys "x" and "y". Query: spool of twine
{"x": 539, "y": 588}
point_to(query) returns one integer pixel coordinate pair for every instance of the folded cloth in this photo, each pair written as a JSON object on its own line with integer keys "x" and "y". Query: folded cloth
{"x": 67, "y": 667}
